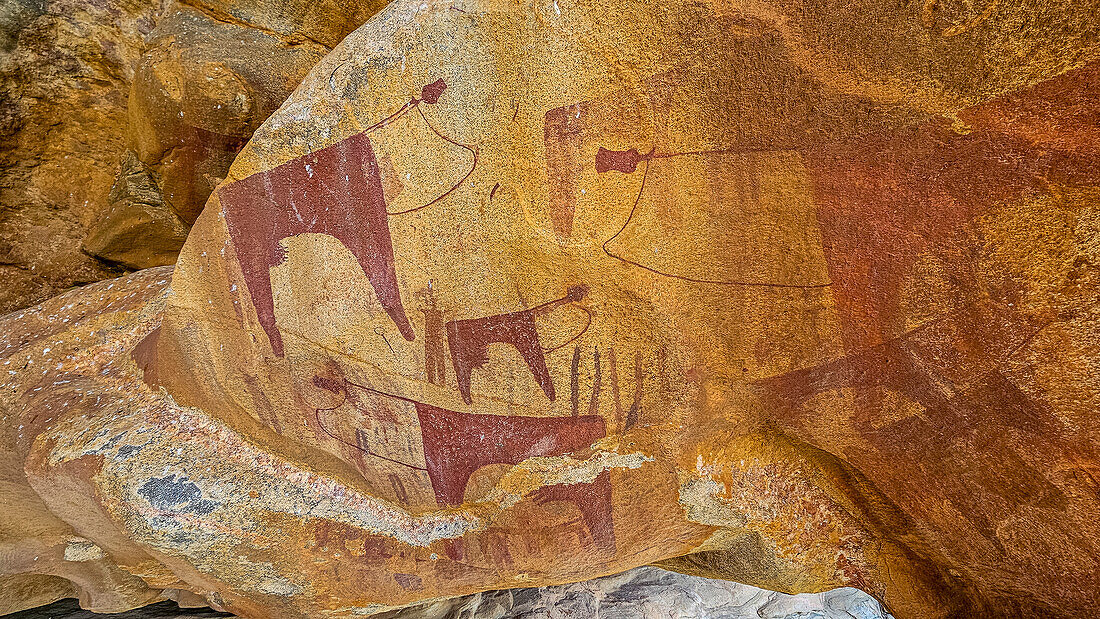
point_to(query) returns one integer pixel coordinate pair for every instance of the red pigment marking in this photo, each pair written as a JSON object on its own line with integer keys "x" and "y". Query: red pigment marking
{"x": 409, "y": 582}
{"x": 594, "y": 401}
{"x": 336, "y": 191}
{"x": 430, "y": 93}
{"x": 470, "y": 339}
{"x": 435, "y": 365}
{"x": 970, "y": 410}
{"x": 625, "y": 161}
{"x": 145, "y": 356}
{"x": 339, "y": 387}
{"x": 469, "y": 342}
{"x": 594, "y": 502}
{"x": 458, "y": 444}
{"x": 562, "y": 132}
{"x": 886, "y": 200}
{"x": 575, "y": 382}
{"x": 192, "y": 154}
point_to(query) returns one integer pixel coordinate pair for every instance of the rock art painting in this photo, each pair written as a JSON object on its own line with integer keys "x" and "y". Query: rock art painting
{"x": 792, "y": 294}
{"x": 336, "y": 191}
{"x": 469, "y": 339}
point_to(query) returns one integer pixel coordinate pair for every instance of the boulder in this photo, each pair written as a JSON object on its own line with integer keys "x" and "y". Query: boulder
{"x": 649, "y": 593}
{"x": 795, "y": 295}
{"x": 642, "y": 593}
{"x": 211, "y": 74}
{"x": 65, "y": 69}
{"x": 138, "y": 229}
{"x": 46, "y": 557}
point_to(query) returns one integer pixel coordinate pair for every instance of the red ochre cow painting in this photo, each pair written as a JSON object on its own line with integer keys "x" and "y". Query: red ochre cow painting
{"x": 336, "y": 191}
{"x": 469, "y": 341}
{"x": 458, "y": 444}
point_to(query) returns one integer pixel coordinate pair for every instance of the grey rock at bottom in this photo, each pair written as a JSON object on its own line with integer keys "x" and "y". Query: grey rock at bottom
{"x": 649, "y": 593}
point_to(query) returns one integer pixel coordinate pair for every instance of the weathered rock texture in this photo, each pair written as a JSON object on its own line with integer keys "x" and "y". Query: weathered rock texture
{"x": 69, "y": 609}
{"x": 798, "y": 295}
{"x": 643, "y": 593}
{"x": 65, "y": 69}
{"x": 649, "y": 593}
{"x": 211, "y": 73}
{"x": 117, "y": 119}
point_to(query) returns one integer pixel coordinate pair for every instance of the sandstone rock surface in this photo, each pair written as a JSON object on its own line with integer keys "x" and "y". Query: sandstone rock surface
{"x": 509, "y": 296}
{"x": 117, "y": 119}
{"x": 211, "y": 73}
{"x": 65, "y": 69}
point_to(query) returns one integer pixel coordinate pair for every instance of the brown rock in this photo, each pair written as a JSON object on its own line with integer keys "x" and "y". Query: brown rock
{"x": 65, "y": 69}
{"x": 69, "y": 609}
{"x": 514, "y": 296}
{"x": 211, "y": 73}
{"x": 199, "y": 92}
{"x": 138, "y": 229}
{"x": 46, "y": 557}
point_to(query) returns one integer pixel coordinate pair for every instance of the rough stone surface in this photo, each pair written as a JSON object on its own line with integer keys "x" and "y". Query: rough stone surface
{"x": 118, "y": 118}
{"x": 65, "y": 68}
{"x": 138, "y": 229}
{"x": 650, "y": 593}
{"x": 46, "y": 558}
{"x": 798, "y": 295}
{"x": 69, "y": 609}
{"x": 211, "y": 73}
{"x": 643, "y": 593}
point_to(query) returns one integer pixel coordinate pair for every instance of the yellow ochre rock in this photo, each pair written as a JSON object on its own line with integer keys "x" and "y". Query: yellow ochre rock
{"x": 505, "y": 295}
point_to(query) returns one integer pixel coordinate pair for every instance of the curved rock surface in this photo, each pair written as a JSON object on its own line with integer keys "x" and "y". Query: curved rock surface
{"x": 650, "y": 593}
{"x": 509, "y": 296}
{"x": 643, "y": 593}
{"x": 212, "y": 71}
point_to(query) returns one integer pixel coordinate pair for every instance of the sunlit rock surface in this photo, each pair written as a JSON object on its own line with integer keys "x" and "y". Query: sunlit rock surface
{"x": 514, "y": 296}
{"x": 211, "y": 72}
{"x": 65, "y": 69}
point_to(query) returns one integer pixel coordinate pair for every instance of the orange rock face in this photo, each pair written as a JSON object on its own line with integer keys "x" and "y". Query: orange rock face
{"x": 211, "y": 73}
{"x": 508, "y": 296}
{"x": 65, "y": 66}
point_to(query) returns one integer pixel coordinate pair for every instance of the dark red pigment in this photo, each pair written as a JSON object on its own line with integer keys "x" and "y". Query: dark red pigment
{"x": 563, "y": 130}
{"x": 625, "y": 161}
{"x": 336, "y": 191}
{"x": 458, "y": 444}
{"x": 430, "y": 93}
{"x": 469, "y": 341}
